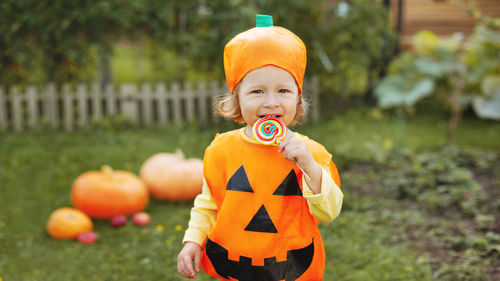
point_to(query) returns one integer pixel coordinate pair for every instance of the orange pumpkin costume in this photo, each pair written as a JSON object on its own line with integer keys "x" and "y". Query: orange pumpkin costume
{"x": 264, "y": 229}
{"x": 256, "y": 217}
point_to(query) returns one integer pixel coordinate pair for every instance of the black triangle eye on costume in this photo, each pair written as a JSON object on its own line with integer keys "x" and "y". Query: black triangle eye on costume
{"x": 239, "y": 181}
{"x": 261, "y": 221}
{"x": 289, "y": 186}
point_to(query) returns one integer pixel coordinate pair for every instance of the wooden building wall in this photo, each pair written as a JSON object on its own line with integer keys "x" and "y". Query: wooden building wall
{"x": 442, "y": 17}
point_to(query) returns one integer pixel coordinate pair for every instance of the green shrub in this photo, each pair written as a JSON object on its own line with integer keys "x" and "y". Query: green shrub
{"x": 439, "y": 180}
{"x": 118, "y": 122}
{"x": 456, "y": 71}
{"x": 65, "y": 41}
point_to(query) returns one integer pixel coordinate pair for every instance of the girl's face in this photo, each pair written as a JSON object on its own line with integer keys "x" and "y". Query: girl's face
{"x": 268, "y": 91}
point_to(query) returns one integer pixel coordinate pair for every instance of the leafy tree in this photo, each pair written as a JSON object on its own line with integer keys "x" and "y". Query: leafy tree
{"x": 67, "y": 40}
{"x": 357, "y": 37}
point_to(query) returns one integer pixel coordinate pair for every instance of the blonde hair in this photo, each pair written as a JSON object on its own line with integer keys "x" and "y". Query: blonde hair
{"x": 229, "y": 106}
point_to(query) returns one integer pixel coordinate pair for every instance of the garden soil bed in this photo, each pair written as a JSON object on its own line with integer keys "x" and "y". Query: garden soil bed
{"x": 422, "y": 237}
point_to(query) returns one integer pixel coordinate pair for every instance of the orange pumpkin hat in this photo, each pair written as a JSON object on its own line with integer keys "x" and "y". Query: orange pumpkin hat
{"x": 264, "y": 45}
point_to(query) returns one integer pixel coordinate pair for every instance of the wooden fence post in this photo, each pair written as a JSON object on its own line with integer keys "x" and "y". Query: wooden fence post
{"x": 96, "y": 102}
{"x": 67, "y": 96}
{"x": 17, "y": 113}
{"x": 82, "y": 105}
{"x": 189, "y": 98}
{"x": 32, "y": 102}
{"x": 51, "y": 105}
{"x": 129, "y": 105}
{"x": 175, "y": 94}
{"x": 3, "y": 111}
{"x": 161, "y": 101}
{"x": 110, "y": 100}
{"x": 147, "y": 107}
{"x": 202, "y": 102}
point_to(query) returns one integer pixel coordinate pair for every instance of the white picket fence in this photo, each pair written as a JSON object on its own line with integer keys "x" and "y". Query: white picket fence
{"x": 74, "y": 107}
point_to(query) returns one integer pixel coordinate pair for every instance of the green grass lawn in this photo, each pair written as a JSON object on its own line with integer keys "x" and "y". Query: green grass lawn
{"x": 358, "y": 135}
{"x": 38, "y": 168}
{"x": 137, "y": 63}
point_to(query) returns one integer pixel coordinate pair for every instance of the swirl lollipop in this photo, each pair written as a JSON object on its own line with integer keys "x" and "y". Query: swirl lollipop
{"x": 269, "y": 131}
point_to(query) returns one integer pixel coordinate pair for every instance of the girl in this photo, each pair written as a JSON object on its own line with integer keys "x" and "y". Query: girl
{"x": 257, "y": 216}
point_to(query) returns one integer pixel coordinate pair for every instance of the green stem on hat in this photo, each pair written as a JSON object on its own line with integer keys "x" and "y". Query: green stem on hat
{"x": 263, "y": 20}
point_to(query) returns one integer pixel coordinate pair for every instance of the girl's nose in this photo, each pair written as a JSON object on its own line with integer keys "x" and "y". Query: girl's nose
{"x": 271, "y": 100}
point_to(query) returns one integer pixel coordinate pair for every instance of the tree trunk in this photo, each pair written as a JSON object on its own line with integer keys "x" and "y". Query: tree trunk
{"x": 105, "y": 73}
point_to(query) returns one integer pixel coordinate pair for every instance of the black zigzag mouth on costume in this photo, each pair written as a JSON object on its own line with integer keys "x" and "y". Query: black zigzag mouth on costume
{"x": 296, "y": 263}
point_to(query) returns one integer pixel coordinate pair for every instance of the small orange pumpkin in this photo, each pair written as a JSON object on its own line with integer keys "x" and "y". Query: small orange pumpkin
{"x": 105, "y": 194}
{"x": 169, "y": 177}
{"x": 66, "y": 223}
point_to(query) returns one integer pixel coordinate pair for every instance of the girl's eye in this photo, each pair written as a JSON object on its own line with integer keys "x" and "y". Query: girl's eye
{"x": 257, "y": 92}
{"x": 284, "y": 91}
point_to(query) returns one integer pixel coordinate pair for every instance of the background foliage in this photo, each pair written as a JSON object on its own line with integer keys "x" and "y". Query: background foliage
{"x": 183, "y": 40}
{"x": 457, "y": 71}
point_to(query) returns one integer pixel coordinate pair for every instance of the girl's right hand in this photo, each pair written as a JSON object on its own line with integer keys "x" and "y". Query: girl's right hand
{"x": 191, "y": 252}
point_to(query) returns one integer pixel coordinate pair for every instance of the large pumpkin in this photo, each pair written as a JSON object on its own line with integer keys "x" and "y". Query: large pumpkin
{"x": 66, "y": 223}
{"x": 170, "y": 177}
{"x": 107, "y": 193}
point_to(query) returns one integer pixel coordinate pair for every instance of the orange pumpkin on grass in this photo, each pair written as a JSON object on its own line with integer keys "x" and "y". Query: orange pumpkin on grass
{"x": 170, "y": 177}
{"x": 67, "y": 223}
{"x": 105, "y": 194}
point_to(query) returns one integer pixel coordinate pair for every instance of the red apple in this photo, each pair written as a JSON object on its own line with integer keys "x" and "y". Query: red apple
{"x": 87, "y": 238}
{"x": 141, "y": 219}
{"x": 118, "y": 221}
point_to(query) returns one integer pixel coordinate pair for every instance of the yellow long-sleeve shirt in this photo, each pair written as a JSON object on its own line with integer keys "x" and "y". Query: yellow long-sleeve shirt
{"x": 324, "y": 206}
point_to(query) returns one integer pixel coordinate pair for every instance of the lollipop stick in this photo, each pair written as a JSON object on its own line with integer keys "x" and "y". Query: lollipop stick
{"x": 304, "y": 173}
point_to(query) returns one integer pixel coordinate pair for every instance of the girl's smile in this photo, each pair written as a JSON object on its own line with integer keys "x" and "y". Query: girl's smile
{"x": 268, "y": 91}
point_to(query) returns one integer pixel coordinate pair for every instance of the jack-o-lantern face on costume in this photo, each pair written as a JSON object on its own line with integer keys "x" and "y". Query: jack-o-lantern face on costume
{"x": 264, "y": 229}
{"x": 299, "y": 259}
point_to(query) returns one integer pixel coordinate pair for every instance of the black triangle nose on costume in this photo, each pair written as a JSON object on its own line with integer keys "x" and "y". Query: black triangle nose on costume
{"x": 261, "y": 222}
